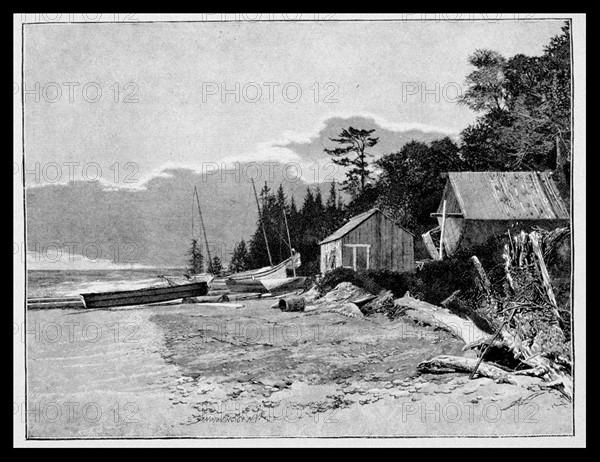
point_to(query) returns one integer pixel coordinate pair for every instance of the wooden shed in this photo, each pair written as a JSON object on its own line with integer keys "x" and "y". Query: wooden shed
{"x": 478, "y": 205}
{"x": 371, "y": 240}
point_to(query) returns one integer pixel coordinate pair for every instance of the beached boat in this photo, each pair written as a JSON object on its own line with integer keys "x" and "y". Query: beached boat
{"x": 177, "y": 280}
{"x": 45, "y": 303}
{"x": 264, "y": 286}
{"x": 279, "y": 272}
{"x": 144, "y": 296}
{"x": 270, "y": 272}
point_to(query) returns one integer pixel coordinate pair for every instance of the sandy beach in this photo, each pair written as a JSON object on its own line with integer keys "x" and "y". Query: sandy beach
{"x": 206, "y": 371}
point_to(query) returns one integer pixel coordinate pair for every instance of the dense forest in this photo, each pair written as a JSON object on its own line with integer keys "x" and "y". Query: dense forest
{"x": 524, "y": 123}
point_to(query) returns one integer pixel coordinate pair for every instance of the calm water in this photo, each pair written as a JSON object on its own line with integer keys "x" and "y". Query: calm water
{"x": 45, "y": 283}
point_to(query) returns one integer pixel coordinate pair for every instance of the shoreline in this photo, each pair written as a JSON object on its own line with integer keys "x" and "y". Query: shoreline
{"x": 189, "y": 370}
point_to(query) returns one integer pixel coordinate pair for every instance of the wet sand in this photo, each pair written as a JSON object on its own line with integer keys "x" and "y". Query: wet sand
{"x": 205, "y": 371}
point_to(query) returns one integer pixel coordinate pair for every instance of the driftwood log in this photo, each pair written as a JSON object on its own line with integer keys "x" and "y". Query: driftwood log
{"x": 444, "y": 363}
{"x": 207, "y": 299}
{"x": 463, "y": 329}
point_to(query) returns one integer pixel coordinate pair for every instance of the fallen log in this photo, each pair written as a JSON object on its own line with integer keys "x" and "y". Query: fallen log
{"x": 222, "y": 305}
{"x": 244, "y": 296}
{"x": 463, "y": 329}
{"x": 442, "y": 364}
{"x": 207, "y": 299}
{"x": 218, "y": 292}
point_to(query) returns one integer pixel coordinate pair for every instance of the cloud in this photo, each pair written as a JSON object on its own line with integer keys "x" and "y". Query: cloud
{"x": 392, "y": 135}
{"x": 301, "y": 151}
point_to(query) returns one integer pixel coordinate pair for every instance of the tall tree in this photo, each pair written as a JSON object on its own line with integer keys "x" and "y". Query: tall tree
{"x": 354, "y": 141}
{"x": 486, "y": 84}
{"x": 412, "y": 180}
{"x": 525, "y": 107}
{"x": 331, "y": 203}
{"x": 196, "y": 259}
{"x": 216, "y": 266}
{"x": 240, "y": 258}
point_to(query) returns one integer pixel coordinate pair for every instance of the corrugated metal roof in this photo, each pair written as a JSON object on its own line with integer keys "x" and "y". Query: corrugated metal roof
{"x": 507, "y": 196}
{"x": 353, "y": 223}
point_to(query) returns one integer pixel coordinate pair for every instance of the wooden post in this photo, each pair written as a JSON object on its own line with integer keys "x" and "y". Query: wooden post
{"x": 442, "y": 231}
{"x": 535, "y": 244}
{"x": 484, "y": 281}
{"x": 289, "y": 241}
{"x": 262, "y": 223}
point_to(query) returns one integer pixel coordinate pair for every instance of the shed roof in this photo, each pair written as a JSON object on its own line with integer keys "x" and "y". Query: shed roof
{"x": 507, "y": 196}
{"x": 353, "y": 223}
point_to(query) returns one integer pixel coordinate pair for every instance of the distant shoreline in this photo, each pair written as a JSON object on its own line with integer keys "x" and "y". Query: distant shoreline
{"x": 149, "y": 268}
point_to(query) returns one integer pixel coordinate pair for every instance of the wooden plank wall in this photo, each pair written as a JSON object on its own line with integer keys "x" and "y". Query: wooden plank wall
{"x": 391, "y": 246}
{"x": 328, "y": 251}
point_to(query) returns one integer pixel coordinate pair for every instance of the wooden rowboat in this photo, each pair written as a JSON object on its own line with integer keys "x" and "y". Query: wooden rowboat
{"x": 278, "y": 272}
{"x": 270, "y": 272}
{"x": 144, "y": 296}
{"x": 45, "y": 303}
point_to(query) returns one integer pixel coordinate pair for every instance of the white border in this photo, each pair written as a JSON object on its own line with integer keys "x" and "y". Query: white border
{"x": 579, "y": 222}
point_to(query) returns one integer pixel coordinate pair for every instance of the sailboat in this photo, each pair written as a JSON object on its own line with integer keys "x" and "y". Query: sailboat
{"x": 273, "y": 278}
{"x": 192, "y": 278}
{"x": 269, "y": 279}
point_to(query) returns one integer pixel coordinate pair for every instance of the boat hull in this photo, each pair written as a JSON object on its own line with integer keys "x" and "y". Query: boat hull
{"x": 46, "y": 303}
{"x": 263, "y": 286}
{"x": 144, "y": 296}
{"x": 269, "y": 272}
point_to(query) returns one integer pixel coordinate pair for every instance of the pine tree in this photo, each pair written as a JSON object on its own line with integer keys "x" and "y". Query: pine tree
{"x": 334, "y": 215}
{"x": 318, "y": 201}
{"x": 196, "y": 261}
{"x": 354, "y": 142}
{"x": 293, "y": 208}
{"x": 281, "y": 199}
{"x": 331, "y": 203}
{"x": 282, "y": 247}
{"x": 239, "y": 260}
{"x": 216, "y": 267}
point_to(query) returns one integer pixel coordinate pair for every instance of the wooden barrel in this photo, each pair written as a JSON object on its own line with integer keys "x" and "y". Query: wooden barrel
{"x": 292, "y": 304}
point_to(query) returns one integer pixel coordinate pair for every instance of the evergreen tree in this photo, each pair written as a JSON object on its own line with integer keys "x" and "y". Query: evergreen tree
{"x": 354, "y": 141}
{"x": 334, "y": 215}
{"x": 331, "y": 203}
{"x": 283, "y": 247}
{"x": 240, "y": 258}
{"x": 196, "y": 260}
{"x": 216, "y": 266}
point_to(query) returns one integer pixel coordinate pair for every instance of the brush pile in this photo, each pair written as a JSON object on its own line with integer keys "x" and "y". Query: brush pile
{"x": 531, "y": 328}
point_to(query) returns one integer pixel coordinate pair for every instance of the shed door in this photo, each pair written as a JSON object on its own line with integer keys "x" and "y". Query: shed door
{"x": 362, "y": 258}
{"x": 348, "y": 257}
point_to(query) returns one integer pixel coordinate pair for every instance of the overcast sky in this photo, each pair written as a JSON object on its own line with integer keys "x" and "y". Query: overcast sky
{"x": 173, "y": 75}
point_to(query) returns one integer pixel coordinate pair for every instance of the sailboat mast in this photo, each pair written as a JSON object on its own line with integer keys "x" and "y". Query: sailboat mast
{"x": 193, "y": 215}
{"x": 289, "y": 241}
{"x": 262, "y": 223}
{"x": 202, "y": 223}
